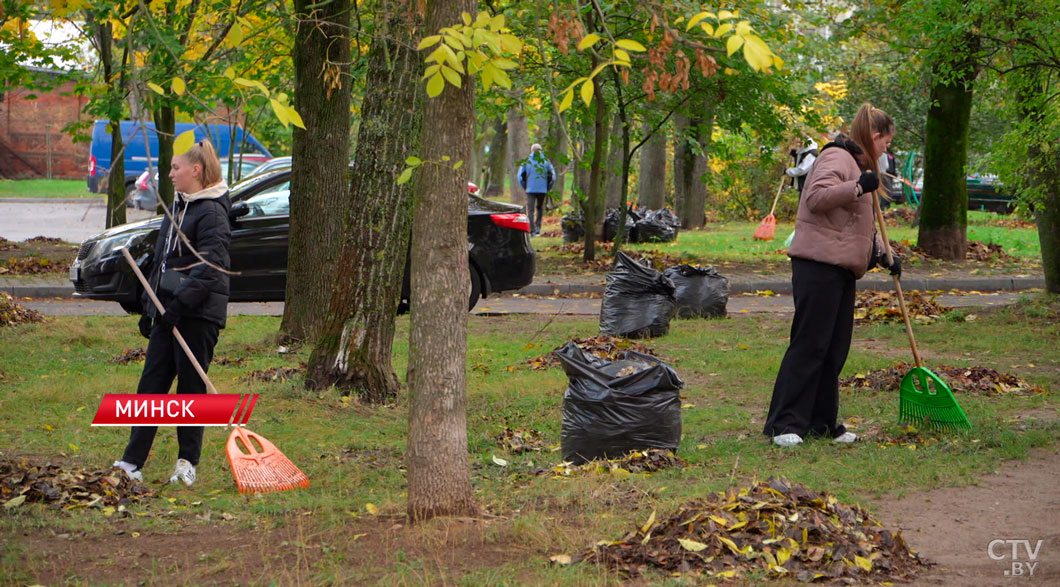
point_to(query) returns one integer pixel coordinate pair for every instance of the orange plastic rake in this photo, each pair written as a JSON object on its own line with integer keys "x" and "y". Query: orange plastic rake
{"x": 259, "y": 467}
{"x": 765, "y": 230}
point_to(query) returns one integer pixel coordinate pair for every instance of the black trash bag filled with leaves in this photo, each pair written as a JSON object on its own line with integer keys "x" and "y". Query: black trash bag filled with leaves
{"x": 701, "y": 292}
{"x": 656, "y": 226}
{"x": 638, "y": 301}
{"x": 614, "y": 407}
{"x": 611, "y": 218}
{"x": 573, "y": 226}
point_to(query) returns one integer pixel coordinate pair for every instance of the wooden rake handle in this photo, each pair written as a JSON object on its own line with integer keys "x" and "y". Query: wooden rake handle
{"x": 777, "y": 197}
{"x": 176, "y": 333}
{"x": 897, "y": 282}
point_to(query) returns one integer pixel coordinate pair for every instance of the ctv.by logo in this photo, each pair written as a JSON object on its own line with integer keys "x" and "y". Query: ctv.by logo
{"x": 1015, "y": 550}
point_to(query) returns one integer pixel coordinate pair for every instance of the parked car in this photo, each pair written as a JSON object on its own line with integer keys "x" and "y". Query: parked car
{"x": 500, "y": 257}
{"x": 984, "y": 193}
{"x": 141, "y": 148}
{"x": 271, "y": 165}
{"x": 145, "y": 197}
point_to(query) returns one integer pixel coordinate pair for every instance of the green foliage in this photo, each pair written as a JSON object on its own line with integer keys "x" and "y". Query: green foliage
{"x": 480, "y": 46}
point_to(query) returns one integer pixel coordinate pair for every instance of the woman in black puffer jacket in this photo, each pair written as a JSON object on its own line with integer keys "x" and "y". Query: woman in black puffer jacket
{"x": 195, "y": 295}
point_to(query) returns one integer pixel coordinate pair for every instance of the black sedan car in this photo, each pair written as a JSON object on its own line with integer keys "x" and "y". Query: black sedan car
{"x": 499, "y": 252}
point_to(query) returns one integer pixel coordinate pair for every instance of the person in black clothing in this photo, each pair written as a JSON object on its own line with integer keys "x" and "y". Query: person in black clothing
{"x": 194, "y": 292}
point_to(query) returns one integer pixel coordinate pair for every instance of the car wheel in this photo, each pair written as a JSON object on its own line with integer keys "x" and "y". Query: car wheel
{"x": 476, "y": 288}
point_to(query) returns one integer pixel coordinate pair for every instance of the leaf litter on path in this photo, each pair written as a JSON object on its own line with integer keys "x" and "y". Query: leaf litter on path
{"x": 882, "y": 306}
{"x": 638, "y": 462}
{"x": 975, "y": 380}
{"x": 23, "y": 481}
{"x": 129, "y": 355}
{"x": 773, "y": 527}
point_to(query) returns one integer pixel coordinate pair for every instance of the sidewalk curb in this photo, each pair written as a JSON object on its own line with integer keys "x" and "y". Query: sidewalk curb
{"x": 85, "y": 200}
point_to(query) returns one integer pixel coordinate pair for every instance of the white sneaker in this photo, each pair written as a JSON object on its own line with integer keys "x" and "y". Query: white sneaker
{"x": 184, "y": 473}
{"x": 787, "y": 440}
{"x": 131, "y": 471}
{"x": 845, "y": 438}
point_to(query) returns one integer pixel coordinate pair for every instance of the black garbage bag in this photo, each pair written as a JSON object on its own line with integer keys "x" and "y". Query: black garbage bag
{"x": 638, "y": 301}
{"x": 656, "y": 226}
{"x": 611, "y": 218}
{"x": 614, "y": 407}
{"x": 701, "y": 292}
{"x": 573, "y": 226}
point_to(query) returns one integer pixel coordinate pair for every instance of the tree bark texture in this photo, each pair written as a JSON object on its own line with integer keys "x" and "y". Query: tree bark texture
{"x": 439, "y": 471}
{"x": 651, "y": 179}
{"x": 319, "y": 159}
{"x": 104, "y": 34}
{"x": 690, "y": 193}
{"x": 944, "y": 205}
{"x": 357, "y": 335}
{"x": 165, "y": 124}
{"x": 518, "y": 151}
{"x": 497, "y": 159}
{"x": 1047, "y": 214}
{"x": 594, "y": 204}
{"x": 559, "y": 154}
{"x": 613, "y": 171}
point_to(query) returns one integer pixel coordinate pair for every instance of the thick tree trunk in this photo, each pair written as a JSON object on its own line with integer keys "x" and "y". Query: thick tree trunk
{"x": 613, "y": 173}
{"x": 439, "y": 471}
{"x": 497, "y": 160}
{"x": 559, "y": 152}
{"x": 690, "y": 193}
{"x": 594, "y": 204}
{"x": 944, "y": 207}
{"x": 165, "y": 124}
{"x": 354, "y": 348}
{"x": 651, "y": 180}
{"x": 1048, "y": 216}
{"x": 517, "y": 152}
{"x": 320, "y": 155}
{"x": 104, "y": 33}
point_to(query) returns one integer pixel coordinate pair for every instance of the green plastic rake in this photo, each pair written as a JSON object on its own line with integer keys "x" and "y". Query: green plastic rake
{"x": 924, "y": 399}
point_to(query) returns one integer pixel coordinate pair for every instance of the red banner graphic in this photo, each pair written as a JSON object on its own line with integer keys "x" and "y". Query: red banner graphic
{"x": 118, "y": 409}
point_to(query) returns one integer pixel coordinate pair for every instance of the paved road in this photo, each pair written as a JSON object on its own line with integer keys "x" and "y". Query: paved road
{"x": 70, "y": 220}
{"x": 505, "y": 305}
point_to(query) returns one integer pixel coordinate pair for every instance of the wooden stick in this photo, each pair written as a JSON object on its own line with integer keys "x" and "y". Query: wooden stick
{"x": 775, "y": 199}
{"x": 897, "y": 283}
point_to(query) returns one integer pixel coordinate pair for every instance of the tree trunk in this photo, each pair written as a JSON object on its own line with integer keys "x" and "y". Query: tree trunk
{"x": 594, "y": 204}
{"x": 613, "y": 172}
{"x": 439, "y": 471}
{"x": 560, "y": 156}
{"x": 944, "y": 205}
{"x": 517, "y": 152}
{"x": 694, "y": 215}
{"x": 690, "y": 193}
{"x": 104, "y": 33}
{"x": 1043, "y": 173}
{"x": 357, "y": 335}
{"x": 496, "y": 160}
{"x": 165, "y": 125}
{"x": 1047, "y": 214}
{"x": 319, "y": 158}
{"x": 651, "y": 180}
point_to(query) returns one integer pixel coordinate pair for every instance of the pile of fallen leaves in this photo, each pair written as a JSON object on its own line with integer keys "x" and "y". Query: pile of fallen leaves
{"x": 882, "y": 306}
{"x": 968, "y": 380}
{"x": 773, "y": 527}
{"x": 636, "y": 462}
{"x": 22, "y": 481}
{"x": 980, "y": 251}
{"x": 12, "y": 313}
{"x": 521, "y": 440}
{"x": 603, "y": 346}
{"x": 1008, "y": 222}
{"x": 45, "y": 240}
{"x": 274, "y": 374}
{"x": 229, "y": 361}
{"x": 6, "y": 245}
{"x": 129, "y": 355}
{"x": 899, "y": 215}
{"x": 33, "y": 266}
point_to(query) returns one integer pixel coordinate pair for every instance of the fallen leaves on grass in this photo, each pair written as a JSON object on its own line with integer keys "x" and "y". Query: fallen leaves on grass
{"x": 982, "y": 381}
{"x": 12, "y": 312}
{"x": 899, "y": 215}
{"x": 130, "y": 355}
{"x": 274, "y": 374}
{"x": 45, "y": 240}
{"x": 520, "y": 440}
{"x": 603, "y": 346}
{"x": 33, "y": 266}
{"x": 882, "y": 306}
{"x": 979, "y": 251}
{"x": 229, "y": 361}
{"x": 1007, "y": 222}
{"x": 772, "y": 527}
{"x": 6, "y": 245}
{"x": 66, "y": 488}
{"x": 636, "y": 462}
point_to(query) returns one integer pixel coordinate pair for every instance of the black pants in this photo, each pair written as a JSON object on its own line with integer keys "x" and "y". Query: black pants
{"x": 806, "y": 394}
{"x": 165, "y": 361}
{"x": 536, "y": 201}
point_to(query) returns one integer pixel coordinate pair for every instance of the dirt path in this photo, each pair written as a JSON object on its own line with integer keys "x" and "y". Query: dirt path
{"x": 955, "y": 527}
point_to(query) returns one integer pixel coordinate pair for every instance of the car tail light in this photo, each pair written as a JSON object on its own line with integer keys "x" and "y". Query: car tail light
{"x": 518, "y": 221}
{"x": 92, "y": 165}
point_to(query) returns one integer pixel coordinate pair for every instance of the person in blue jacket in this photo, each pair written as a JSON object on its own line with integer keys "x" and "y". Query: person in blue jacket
{"x": 536, "y": 176}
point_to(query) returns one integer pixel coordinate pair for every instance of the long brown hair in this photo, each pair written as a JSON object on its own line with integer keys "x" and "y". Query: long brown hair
{"x": 867, "y": 121}
{"x": 203, "y": 154}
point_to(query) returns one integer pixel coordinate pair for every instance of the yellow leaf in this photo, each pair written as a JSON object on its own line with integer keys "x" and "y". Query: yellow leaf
{"x": 183, "y": 142}
{"x": 49, "y": 427}
{"x": 725, "y": 14}
{"x": 178, "y": 86}
{"x": 725, "y": 574}
{"x": 587, "y": 92}
{"x": 156, "y": 88}
{"x": 708, "y": 28}
{"x": 242, "y": 81}
{"x": 733, "y": 44}
{"x": 732, "y": 545}
{"x": 697, "y": 18}
{"x": 295, "y": 117}
{"x": 280, "y": 112}
{"x": 14, "y": 502}
{"x": 405, "y": 176}
{"x": 588, "y": 41}
{"x": 560, "y": 559}
{"x": 428, "y": 41}
{"x": 466, "y": 18}
{"x": 757, "y": 53}
{"x": 743, "y": 27}
{"x": 230, "y": 73}
{"x": 647, "y": 525}
{"x": 630, "y": 45}
{"x": 722, "y": 30}
{"x": 864, "y": 563}
{"x": 435, "y": 85}
{"x": 371, "y": 508}
{"x": 235, "y": 36}
{"x": 74, "y": 447}
{"x": 621, "y": 55}
{"x": 691, "y": 545}
{"x": 451, "y": 75}
{"x": 783, "y": 555}
{"x": 566, "y": 101}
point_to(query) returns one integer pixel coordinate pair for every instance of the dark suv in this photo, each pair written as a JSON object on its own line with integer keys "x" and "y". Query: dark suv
{"x": 499, "y": 252}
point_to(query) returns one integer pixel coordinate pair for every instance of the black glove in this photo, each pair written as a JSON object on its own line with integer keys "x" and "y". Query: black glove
{"x": 172, "y": 314}
{"x": 868, "y": 182}
{"x": 145, "y": 326}
{"x": 895, "y": 266}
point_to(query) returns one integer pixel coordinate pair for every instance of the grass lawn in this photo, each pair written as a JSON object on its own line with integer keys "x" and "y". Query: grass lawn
{"x": 45, "y": 188}
{"x": 348, "y": 528}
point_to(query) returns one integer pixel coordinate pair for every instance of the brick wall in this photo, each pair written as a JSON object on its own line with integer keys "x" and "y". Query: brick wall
{"x": 32, "y": 144}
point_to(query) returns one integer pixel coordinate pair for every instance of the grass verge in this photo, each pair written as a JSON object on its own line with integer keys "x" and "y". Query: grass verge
{"x": 45, "y": 188}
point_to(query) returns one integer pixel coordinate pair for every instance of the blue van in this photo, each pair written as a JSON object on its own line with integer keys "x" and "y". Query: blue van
{"x": 138, "y": 149}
